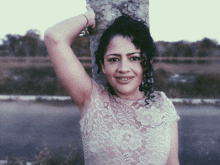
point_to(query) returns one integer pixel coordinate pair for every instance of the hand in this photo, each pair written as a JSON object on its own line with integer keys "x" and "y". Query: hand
{"x": 90, "y": 14}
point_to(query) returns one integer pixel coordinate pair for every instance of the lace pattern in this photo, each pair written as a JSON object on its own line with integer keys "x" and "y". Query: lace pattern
{"x": 116, "y": 131}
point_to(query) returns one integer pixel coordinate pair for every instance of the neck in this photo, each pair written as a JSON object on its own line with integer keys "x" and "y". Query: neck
{"x": 136, "y": 96}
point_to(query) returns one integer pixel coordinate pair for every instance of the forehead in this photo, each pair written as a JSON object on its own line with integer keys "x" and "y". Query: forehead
{"x": 120, "y": 44}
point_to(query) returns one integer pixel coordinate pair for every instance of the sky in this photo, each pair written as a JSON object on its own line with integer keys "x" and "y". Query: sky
{"x": 192, "y": 20}
{"x": 170, "y": 20}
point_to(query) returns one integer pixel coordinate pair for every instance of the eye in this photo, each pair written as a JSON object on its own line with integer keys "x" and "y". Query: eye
{"x": 113, "y": 60}
{"x": 135, "y": 58}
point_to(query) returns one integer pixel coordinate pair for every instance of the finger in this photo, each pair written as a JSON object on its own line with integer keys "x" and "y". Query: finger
{"x": 88, "y": 7}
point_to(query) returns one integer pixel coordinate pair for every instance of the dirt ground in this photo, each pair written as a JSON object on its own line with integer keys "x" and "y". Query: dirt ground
{"x": 26, "y": 126}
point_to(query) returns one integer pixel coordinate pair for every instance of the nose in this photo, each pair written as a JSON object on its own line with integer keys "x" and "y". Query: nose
{"x": 123, "y": 66}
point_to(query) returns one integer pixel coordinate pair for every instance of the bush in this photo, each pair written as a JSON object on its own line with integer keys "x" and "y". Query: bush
{"x": 46, "y": 157}
{"x": 202, "y": 85}
{"x": 43, "y": 81}
{"x": 33, "y": 81}
{"x": 207, "y": 85}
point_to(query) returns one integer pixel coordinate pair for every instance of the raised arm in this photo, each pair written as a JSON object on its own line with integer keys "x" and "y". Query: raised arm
{"x": 68, "y": 68}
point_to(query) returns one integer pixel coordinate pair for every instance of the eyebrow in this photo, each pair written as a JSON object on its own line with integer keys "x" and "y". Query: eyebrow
{"x": 114, "y": 54}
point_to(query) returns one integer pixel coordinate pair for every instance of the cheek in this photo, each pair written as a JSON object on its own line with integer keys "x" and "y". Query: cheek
{"x": 138, "y": 69}
{"x": 109, "y": 70}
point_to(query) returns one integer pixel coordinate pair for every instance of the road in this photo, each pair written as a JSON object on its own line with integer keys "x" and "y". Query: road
{"x": 199, "y": 134}
{"x": 26, "y": 126}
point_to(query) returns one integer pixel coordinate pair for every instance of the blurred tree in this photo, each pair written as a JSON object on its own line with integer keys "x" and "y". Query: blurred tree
{"x": 42, "y": 50}
{"x": 204, "y": 48}
{"x": 207, "y": 47}
{"x": 207, "y": 43}
{"x": 11, "y": 42}
{"x": 29, "y": 43}
{"x": 3, "y": 47}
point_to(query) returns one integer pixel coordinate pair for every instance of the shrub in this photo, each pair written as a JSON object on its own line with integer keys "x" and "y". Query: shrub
{"x": 46, "y": 157}
{"x": 202, "y": 86}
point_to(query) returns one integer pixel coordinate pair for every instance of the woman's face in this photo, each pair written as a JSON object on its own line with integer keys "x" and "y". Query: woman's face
{"x": 122, "y": 66}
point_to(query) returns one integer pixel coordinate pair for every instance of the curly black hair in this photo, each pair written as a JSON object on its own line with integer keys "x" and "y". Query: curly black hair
{"x": 140, "y": 36}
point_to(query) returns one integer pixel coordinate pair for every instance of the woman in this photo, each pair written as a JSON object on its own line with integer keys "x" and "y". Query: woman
{"x": 127, "y": 122}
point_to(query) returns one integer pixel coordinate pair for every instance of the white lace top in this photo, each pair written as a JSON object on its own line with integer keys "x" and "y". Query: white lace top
{"x": 116, "y": 131}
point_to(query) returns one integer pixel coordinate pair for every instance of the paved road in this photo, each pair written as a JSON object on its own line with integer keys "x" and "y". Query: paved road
{"x": 199, "y": 134}
{"x": 24, "y": 126}
{"x": 28, "y": 125}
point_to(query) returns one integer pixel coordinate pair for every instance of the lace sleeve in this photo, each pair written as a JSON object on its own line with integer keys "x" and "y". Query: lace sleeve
{"x": 171, "y": 115}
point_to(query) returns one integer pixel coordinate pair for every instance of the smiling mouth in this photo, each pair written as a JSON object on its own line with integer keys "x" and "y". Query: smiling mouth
{"x": 124, "y": 78}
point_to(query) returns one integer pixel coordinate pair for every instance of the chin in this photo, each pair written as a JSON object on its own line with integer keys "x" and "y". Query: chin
{"x": 126, "y": 91}
{"x": 130, "y": 89}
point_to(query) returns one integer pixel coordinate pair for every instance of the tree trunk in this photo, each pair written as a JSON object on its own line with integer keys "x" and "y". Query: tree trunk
{"x": 106, "y": 11}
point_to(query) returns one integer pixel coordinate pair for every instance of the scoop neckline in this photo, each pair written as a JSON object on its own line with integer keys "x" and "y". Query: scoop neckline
{"x": 121, "y": 100}
{"x": 126, "y": 101}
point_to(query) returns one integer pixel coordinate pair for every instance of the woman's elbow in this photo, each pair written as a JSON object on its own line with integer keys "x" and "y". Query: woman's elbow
{"x": 50, "y": 38}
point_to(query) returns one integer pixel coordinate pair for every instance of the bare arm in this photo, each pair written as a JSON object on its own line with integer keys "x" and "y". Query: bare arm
{"x": 173, "y": 157}
{"x": 68, "y": 68}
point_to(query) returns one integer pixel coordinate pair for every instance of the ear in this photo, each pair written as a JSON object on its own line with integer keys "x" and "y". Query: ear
{"x": 103, "y": 66}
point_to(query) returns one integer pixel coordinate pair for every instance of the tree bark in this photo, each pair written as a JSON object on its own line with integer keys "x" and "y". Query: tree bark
{"x": 106, "y": 11}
